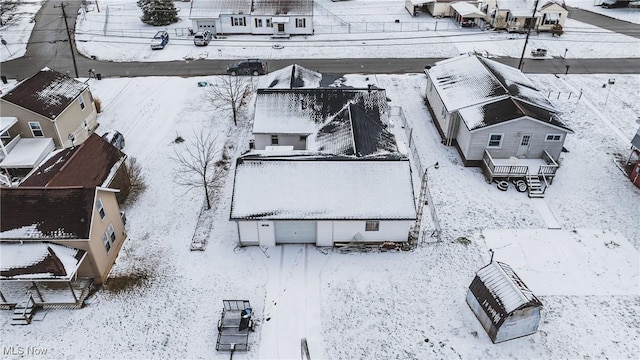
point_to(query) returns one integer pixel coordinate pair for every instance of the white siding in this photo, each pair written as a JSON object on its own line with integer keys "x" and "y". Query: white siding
{"x": 224, "y": 25}
{"x": 437, "y": 106}
{"x": 264, "y": 140}
{"x": 390, "y": 230}
{"x": 520, "y": 323}
{"x": 325, "y": 233}
{"x": 291, "y": 28}
{"x": 511, "y": 140}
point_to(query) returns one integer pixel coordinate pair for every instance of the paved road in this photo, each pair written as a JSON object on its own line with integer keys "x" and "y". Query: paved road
{"x": 48, "y": 47}
{"x": 605, "y": 22}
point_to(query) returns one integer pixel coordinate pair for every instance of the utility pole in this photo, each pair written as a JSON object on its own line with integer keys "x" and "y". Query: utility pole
{"x": 66, "y": 24}
{"x": 526, "y": 40}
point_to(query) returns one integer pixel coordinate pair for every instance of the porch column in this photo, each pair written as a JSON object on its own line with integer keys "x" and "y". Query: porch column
{"x": 4, "y": 300}
{"x": 72, "y": 292}
{"x": 38, "y": 291}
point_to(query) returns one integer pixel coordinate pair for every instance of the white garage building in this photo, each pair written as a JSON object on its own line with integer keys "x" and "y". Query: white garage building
{"x": 322, "y": 199}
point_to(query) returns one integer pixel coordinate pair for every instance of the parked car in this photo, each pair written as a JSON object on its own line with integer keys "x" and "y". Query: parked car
{"x": 114, "y": 138}
{"x": 202, "y": 38}
{"x": 253, "y": 67}
{"x": 160, "y": 40}
{"x": 611, "y": 4}
{"x": 539, "y": 53}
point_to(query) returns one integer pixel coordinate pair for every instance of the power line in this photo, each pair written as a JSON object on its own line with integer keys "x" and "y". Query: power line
{"x": 66, "y": 24}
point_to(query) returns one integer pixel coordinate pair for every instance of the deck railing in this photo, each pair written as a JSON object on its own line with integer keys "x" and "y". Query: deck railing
{"x": 505, "y": 171}
{"x": 550, "y": 169}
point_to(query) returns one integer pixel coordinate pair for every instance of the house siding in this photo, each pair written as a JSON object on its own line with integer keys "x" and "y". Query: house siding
{"x": 264, "y": 140}
{"x": 327, "y": 231}
{"x": 511, "y": 140}
{"x": 103, "y": 260}
{"x": 71, "y": 121}
{"x": 437, "y": 105}
{"x": 553, "y": 9}
{"x": 24, "y": 117}
{"x": 439, "y": 9}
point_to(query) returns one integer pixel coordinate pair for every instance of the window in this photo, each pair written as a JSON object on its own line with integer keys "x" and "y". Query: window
{"x": 105, "y": 241}
{"x": 274, "y": 139}
{"x": 112, "y": 232}
{"x": 372, "y": 225}
{"x": 258, "y": 22}
{"x": 553, "y": 137}
{"x": 444, "y": 112}
{"x": 36, "y": 129}
{"x": 5, "y": 135}
{"x": 300, "y": 23}
{"x": 303, "y": 137}
{"x": 85, "y": 124}
{"x": 100, "y": 209}
{"x": 551, "y": 19}
{"x": 268, "y": 23}
{"x": 81, "y": 102}
{"x": 238, "y": 21}
{"x": 495, "y": 141}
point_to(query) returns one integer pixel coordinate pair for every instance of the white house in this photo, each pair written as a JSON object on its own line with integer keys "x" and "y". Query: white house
{"x": 503, "y": 14}
{"x": 266, "y": 17}
{"x": 321, "y": 199}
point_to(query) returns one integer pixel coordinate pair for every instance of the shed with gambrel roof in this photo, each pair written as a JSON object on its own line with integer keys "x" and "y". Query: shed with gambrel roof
{"x": 503, "y": 304}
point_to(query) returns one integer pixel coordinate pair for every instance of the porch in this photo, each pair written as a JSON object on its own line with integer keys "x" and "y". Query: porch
{"x": 538, "y": 173}
{"x": 46, "y": 294}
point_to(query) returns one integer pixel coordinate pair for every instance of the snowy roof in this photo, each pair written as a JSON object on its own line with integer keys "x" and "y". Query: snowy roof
{"x": 292, "y": 76}
{"x": 46, "y": 213}
{"x": 6, "y": 122}
{"x": 282, "y": 7}
{"x": 211, "y": 9}
{"x": 354, "y": 131}
{"x": 486, "y": 92}
{"x": 322, "y": 188}
{"x": 500, "y": 291}
{"x": 636, "y": 140}
{"x": 28, "y": 153}
{"x": 488, "y": 114}
{"x": 303, "y": 111}
{"x": 206, "y": 9}
{"x": 89, "y": 164}
{"x": 38, "y": 261}
{"x": 467, "y": 10}
{"x": 47, "y": 93}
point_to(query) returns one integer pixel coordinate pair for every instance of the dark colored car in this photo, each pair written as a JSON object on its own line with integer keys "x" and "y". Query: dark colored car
{"x": 160, "y": 40}
{"x": 114, "y": 138}
{"x": 612, "y": 4}
{"x": 253, "y": 67}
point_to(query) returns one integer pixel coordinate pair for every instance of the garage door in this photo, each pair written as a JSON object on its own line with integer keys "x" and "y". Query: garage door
{"x": 295, "y": 232}
{"x": 207, "y": 25}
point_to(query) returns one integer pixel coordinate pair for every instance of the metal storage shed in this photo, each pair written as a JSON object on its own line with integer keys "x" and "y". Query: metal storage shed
{"x": 503, "y": 304}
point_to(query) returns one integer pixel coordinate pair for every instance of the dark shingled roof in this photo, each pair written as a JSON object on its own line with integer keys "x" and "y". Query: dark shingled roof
{"x": 46, "y": 213}
{"x": 47, "y": 93}
{"x": 356, "y": 131}
{"x": 87, "y": 165}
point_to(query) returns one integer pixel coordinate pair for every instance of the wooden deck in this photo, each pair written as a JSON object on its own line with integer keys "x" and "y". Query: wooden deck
{"x": 513, "y": 167}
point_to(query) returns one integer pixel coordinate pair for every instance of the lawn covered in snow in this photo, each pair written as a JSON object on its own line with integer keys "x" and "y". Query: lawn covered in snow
{"x": 163, "y": 300}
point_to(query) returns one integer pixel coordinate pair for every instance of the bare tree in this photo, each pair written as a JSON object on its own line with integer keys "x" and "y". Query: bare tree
{"x": 197, "y": 163}
{"x": 133, "y": 183}
{"x": 229, "y": 94}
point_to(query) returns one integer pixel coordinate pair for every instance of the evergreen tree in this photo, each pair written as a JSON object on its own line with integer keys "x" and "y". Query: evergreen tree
{"x": 158, "y": 12}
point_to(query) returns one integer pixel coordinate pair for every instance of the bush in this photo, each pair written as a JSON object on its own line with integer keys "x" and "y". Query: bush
{"x": 134, "y": 183}
{"x": 98, "y": 103}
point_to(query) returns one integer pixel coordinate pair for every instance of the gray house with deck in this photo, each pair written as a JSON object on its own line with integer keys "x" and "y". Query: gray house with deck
{"x": 496, "y": 118}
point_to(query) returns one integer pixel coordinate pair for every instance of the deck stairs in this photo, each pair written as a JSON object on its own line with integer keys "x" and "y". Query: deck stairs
{"x": 23, "y": 312}
{"x": 535, "y": 187}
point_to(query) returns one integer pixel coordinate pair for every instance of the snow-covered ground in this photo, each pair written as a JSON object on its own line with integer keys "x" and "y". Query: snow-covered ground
{"x": 407, "y": 305}
{"x": 116, "y": 33}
